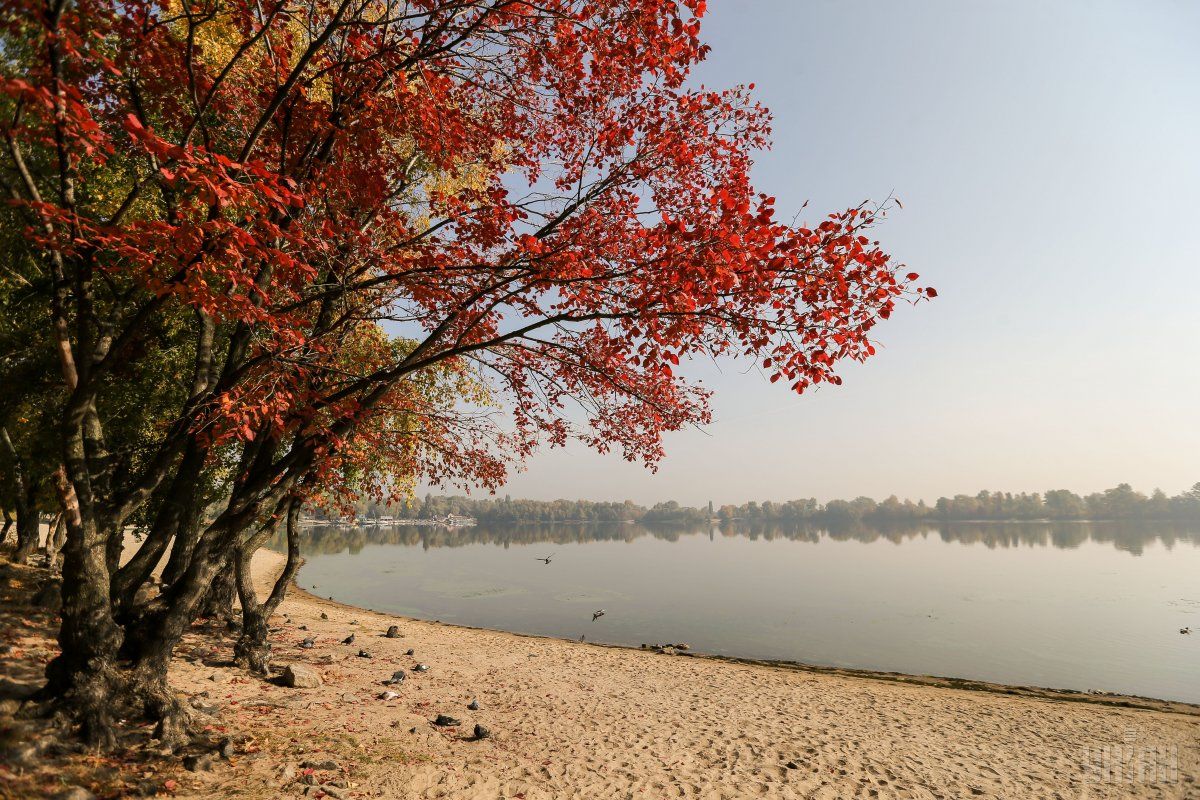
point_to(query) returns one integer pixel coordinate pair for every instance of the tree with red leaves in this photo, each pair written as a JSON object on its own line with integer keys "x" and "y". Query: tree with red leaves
{"x": 344, "y": 232}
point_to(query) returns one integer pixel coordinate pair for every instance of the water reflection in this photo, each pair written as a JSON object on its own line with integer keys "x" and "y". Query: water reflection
{"x": 1127, "y": 536}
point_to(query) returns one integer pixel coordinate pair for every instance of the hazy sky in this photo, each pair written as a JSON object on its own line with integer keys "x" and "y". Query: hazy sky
{"x": 1048, "y": 158}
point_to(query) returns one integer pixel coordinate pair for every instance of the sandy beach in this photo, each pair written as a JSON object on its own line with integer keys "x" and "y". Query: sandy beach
{"x": 571, "y": 720}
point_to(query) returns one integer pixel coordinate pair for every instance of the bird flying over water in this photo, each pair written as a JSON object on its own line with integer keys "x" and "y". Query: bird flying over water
{"x": 545, "y": 558}
{"x": 597, "y": 614}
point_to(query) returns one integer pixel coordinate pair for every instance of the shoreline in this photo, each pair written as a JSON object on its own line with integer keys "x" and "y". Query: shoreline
{"x": 1115, "y": 699}
{"x": 590, "y": 720}
{"x": 567, "y": 720}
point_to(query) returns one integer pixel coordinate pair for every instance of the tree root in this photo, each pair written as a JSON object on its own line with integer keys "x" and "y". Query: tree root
{"x": 92, "y": 706}
{"x": 252, "y": 654}
{"x": 175, "y": 726}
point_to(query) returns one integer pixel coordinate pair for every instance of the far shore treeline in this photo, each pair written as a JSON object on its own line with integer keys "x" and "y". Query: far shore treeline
{"x": 1119, "y": 503}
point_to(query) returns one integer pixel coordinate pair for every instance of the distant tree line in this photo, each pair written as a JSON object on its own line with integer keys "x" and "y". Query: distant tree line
{"x": 497, "y": 511}
{"x": 1119, "y": 503}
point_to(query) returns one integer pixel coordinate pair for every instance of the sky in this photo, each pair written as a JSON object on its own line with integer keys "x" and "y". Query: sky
{"x": 1048, "y": 159}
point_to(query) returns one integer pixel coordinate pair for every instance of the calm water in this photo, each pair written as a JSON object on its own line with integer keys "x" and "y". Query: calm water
{"x": 1064, "y": 605}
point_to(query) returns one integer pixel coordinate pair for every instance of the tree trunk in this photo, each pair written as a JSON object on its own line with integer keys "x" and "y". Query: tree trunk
{"x": 179, "y": 512}
{"x": 25, "y": 500}
{"x": 253, "y": 651}
{"x": 218, "y": 602}
{"x": 158, "y": 633}
{"x": 8, "y": 523}
{"x": 113, "y": 549}
{"x": 28, "y": 521}
{"x": 56, "y": 538}
{"x": 186, "y": 537}
{"x": 152, "y": 695}
{"x": 152, "y": 638}
{"x": 84, "y": 678}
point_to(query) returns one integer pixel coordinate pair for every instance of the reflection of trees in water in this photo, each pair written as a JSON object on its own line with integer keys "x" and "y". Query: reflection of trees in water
{"x": 1131, "y": 537}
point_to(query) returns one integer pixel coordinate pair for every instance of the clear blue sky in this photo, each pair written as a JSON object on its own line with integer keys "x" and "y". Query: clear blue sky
{"x": 1048, "y": 158}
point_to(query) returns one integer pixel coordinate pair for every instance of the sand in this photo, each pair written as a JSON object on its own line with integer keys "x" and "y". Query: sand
{"x": 572, "y": 720}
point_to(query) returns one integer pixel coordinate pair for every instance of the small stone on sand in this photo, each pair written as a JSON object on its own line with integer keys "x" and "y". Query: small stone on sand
{"x": 75, "y": 793}
{"x": 198, "y": 763}
{"x": 301, "y": 676}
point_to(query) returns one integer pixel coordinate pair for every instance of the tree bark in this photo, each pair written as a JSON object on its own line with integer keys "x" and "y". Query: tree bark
{"x": 151, "y": 693}
{"x": 113, "y": 548}
{"x": 25, "y": 500}
{"x": 253, "y": 651}
{"x": 28, "y": 521}
{"x": 186, "y": 537}
{"x": 218, "y": 603}
{"x": 84, "y": 677}
{"x": 56, "y": 538}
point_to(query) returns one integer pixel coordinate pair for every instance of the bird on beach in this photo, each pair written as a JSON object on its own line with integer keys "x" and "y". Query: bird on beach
{"x": 545, "y": 559}
{"x": 349, "y": 639}
{"x": 597, "y": 614}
